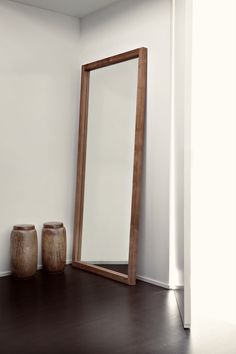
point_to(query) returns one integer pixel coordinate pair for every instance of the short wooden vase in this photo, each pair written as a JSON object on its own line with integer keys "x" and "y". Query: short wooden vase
{"x": 54, "y": 247}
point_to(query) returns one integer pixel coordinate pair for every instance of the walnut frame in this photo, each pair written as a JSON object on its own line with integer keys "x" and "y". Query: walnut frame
{"x": 141, "y": 54}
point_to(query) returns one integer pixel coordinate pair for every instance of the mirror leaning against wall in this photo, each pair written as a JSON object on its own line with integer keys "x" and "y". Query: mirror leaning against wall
{"x": 109, "y": 167}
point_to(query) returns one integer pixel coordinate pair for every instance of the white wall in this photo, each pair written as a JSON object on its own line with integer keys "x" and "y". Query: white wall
{"x": 213, "y": 187}
{"x": 178, "y": 140}
{"x": 213, "y": 182}
{"x": 40, "y": 58}
{"x": 39, "y": 71}
{"x": 123, "y": 26}
{"x": 177, "y": 153}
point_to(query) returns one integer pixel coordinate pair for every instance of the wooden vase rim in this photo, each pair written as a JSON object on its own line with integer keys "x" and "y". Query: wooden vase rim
{"x": 53, "y": 225}
{"x": 24, "y": 227}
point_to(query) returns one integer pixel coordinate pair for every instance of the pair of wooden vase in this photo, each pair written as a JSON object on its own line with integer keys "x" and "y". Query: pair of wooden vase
{"x": 24, "y": 249}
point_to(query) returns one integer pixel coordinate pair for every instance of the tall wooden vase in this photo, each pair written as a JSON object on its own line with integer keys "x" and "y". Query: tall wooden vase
{"x": 24, "y": 251}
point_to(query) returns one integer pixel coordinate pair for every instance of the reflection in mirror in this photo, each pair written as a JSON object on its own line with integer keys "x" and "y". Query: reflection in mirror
{"x": 109, "y": 166}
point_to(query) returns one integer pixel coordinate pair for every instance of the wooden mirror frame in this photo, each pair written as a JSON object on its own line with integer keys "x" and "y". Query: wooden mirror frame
{"x": 141, "y": 54}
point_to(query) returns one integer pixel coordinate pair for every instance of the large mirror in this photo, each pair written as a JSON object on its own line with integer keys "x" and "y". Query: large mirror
{"x": 112, "y": 109}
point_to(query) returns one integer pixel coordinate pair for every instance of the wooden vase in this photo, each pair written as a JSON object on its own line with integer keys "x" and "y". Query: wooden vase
{"x": 54, "y": 247}
{"x": 24, "y": 251}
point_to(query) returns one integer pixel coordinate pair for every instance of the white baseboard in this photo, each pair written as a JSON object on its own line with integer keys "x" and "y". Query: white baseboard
{"x": 158, "y": 283}
{"x": 177, "y": 287}
{"x": 5, "y": 274}
{"x": 8, "y": 272}
{"x": 153, "y": 281}
{"x": 139, "y": 277}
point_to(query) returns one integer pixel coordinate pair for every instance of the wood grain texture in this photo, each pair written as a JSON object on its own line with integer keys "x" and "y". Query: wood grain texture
{"x": 81, "y": 164}
{"x": 54, "y": 247}
{"x": 24, "y": 251}
{"x": 115, "y": 59}
{"x": 108, "y": 273}
{"x": 24, "y": 227}
{"x": 53, "y": 225}
{"x": 141, "y": 54}
{"x": 138, "y": 157}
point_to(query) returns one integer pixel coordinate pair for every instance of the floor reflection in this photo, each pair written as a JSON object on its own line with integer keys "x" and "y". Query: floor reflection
{"x": 121, "y": 268}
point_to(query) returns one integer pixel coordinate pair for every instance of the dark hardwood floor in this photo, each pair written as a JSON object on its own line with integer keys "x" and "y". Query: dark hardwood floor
{"x": 121, "y": 268}
{"x": 79, "y": 312}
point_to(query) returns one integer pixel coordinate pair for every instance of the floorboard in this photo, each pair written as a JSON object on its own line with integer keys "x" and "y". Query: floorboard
{"x": 79, "y": 312}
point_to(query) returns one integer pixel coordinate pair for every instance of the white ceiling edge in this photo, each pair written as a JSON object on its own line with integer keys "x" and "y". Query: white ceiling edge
{"x": 77, "y": 8}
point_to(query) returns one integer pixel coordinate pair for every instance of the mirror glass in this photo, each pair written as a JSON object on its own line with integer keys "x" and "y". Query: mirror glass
{"x": 109, "y": 166}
